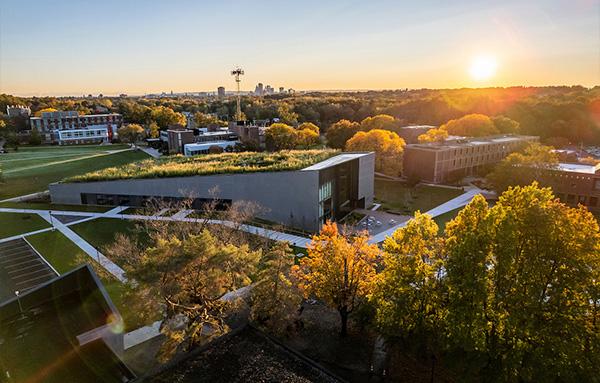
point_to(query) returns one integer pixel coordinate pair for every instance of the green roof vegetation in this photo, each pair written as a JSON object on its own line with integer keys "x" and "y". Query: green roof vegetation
{"x": 224, "y": 163}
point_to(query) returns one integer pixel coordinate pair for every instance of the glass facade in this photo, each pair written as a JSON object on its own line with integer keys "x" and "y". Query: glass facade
{"x": 338, "y": 191}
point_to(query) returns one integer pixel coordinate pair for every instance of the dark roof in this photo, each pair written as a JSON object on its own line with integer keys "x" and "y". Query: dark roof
{"x": 245, "y": 356}
{"x": 56, "y": 331}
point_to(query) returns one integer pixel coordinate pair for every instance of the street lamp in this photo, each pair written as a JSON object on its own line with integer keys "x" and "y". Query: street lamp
{"x": 19, "y": 302}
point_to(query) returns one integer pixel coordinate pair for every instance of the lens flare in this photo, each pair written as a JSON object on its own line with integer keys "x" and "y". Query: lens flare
{"x": 483, "y": 68}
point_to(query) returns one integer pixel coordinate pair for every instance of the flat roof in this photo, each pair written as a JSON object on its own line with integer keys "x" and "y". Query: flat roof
{"x": 578, "y": 168}
{"x": 40, "y": 332}
{"x": 339, "y": 159}
{"x": 200, "y": 145}
{"x": 418, "y": 127}
{"x": 471, "y": 141}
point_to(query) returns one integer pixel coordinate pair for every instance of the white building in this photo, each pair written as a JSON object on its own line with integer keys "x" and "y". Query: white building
{"x": 68, "y": 127}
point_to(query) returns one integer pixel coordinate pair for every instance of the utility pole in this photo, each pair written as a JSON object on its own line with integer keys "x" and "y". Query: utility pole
{"x": 237, "y": 72}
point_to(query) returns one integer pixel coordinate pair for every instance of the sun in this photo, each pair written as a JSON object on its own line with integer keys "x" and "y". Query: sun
{"x": 483, "y": 67}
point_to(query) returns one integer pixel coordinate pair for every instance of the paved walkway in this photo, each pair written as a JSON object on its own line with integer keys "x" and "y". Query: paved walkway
{"x": 150, "y": 151}
{"x": 453, "y": 204}
{"x": 27, "y": 197}
{"x": 90, "y": 250}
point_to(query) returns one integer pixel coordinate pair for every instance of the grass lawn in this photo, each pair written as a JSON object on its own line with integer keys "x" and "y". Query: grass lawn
{"x": 18, "y": 223}
{"x": 53, "y": 206}
{"x": 64, "y": 256}
{"x": 35, "y": 177}
{"x": 397, "y": 197}
{"x": 101, "y": 232}
{"x": 443, "y": 219}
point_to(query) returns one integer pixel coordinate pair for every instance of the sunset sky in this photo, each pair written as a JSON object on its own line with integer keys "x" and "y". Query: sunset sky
{"x": 143, "y": 46}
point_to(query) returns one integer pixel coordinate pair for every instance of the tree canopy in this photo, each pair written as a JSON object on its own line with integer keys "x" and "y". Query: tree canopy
{"x": 388, "y": 148}
{"x": 471, "y": 125}
{"x": 339, "y": 270}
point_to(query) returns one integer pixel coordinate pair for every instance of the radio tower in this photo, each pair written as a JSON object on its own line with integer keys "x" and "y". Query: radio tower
{"x": 237, "y": 72}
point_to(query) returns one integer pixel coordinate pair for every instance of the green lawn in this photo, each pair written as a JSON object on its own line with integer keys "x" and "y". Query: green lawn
{"x": 17, "y": 223}
{"x": 443, "y": 219}
{"x": 53, "y": 206}
{"x": 64, "y": 255}
{"x": 101, "y": 232}
{"x": 397, "y": 197}
{"x": 20, "y": 180}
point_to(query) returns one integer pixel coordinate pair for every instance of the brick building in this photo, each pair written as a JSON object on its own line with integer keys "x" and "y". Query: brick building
{"x": 575, "y": 184}
{"x": 454, "y": 159}
{"x": 68, "y": 127}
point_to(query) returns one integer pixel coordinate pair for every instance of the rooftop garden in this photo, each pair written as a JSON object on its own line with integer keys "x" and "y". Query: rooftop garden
{"x": 224, "y": 163}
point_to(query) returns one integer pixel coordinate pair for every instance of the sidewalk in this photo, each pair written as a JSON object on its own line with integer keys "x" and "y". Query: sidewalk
{"x": 85, "y": 246}
{"x": 453, "y": 204}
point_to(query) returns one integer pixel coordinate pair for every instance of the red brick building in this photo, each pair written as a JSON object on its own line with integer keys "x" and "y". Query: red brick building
{"x": 575, "y": 184}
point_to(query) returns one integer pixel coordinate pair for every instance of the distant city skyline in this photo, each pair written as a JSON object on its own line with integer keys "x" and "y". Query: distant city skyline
{"x": 141, "y": 47}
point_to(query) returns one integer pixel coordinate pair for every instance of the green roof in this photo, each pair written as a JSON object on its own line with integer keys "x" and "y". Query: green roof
{"x": 224, "y": 163}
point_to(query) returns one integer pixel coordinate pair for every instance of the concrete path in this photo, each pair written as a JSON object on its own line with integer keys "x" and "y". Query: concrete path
{"x": 86, "y": 247}
{"x": 27, "y": 197}
{"x": 8, "y": 239}
{"x": 150, "y": 151}
{"x": 453, "y": 204}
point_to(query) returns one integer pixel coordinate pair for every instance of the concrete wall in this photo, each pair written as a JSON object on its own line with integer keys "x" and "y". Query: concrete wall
{"x": 366, "y": 179}
{"x": 290, "y": 197}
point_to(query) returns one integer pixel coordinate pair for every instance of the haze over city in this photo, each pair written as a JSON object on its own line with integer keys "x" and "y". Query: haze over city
{"x": 138, "y": 47}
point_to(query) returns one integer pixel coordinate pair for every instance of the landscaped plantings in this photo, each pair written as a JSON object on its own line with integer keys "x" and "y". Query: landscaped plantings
{"x": 224, "y": 163}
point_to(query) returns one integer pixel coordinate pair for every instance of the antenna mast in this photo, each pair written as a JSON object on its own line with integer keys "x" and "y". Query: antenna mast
{"x": 237, "y": 72}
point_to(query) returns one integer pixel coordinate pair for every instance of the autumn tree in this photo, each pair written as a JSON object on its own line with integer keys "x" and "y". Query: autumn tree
{"x": 310, "y": 126}
{"x": 153, "y": 130}
{"x": 380, "y": 122}
{"x": 340, "y": 132}
{"x": 471, "y": 125}
{"x": 339, "y": 270}
{"x": 184, "y": 279}
{"x": 506, "y": 125}
{"x": 130, "y": 133}
{"x": 204, "y": 120}
{"x": 468, "y": 249}
{"x": 433, "y": 135}
{"x": 280, "y": 136}
{"x": 521, "y": 168}
{"x": 275, "y": 300}
{"x": 409, "y": 292}
{"x": 44, "y": 110}
{"x": 306, "y": 138}
{"x": 388, "y": 148}
{"x": 522, "y": 279}
{"x": 165, "y": 117}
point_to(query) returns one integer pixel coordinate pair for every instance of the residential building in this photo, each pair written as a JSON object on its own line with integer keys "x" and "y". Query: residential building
{"x": 68, "y": 127}
{"x": 175, "y": 138}
{"x": 251, "y": 133}
{"x": 17, "y": 111}
{"x": 289, "y": 192}
{"x": 454, "y": 159}
{"x": 574, "y": 184}
{"x": 65, "y": 330}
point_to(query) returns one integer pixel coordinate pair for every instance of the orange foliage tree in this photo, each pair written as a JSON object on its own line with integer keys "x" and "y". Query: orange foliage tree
{"x": 388, "y": 148}
{"x": 339, "y": 270}
{"x": 471, "y": 125}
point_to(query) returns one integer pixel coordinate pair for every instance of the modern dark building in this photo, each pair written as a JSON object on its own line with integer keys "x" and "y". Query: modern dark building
{"x": 454, "y": 159}
{"x": 303, "y": 198}
{"x": 65, "y": 330}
